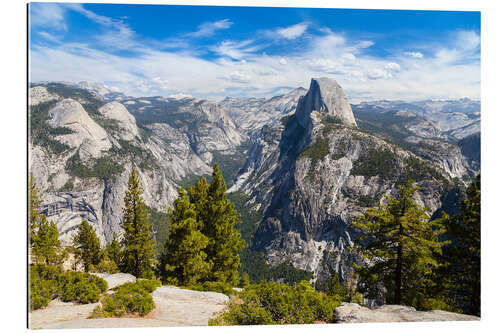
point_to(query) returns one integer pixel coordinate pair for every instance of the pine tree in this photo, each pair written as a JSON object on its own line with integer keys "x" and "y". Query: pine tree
{"x": 139, "y": 250}
{"x": 245, "y": 280}
{"x": 34, "y": 206}
{"x": 113, "y": 251}
{"x": 183, "y": 261}
{"x": 46, "y": 244}
{"x": 463, "y": 254}
{"x": 335, "y": 287}
{"x": 88, "y": 246}
{"x": 218, "y": 219}
{"x": 401, "y": 247}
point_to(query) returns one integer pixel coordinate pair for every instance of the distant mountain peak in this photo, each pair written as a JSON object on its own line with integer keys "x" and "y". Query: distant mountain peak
{"x": 325, "y": 95}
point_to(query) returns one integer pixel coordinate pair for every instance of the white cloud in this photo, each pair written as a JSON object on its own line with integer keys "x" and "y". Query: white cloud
{"x": 467, "y": 40}
{"x": 242, "y": 70}
{"x": 180, "y": 96}
{"x": 47, "y": 15}
{"x": 49, "y": 37}
{"x": 208, "y": 29}
{"x": 292, "y": 32}
{"x": 392, "y": 66}
{"x": 377, "y": 73}
{"x": 365, "y": 44}
{"x": 163, "y": 83}
{"x": 349, "y": 57}
{"x": 411, "y": 54}
{"x": 235, "y": 50}
{"x": 239, "y": 77}
{"x": 117, "y": 34}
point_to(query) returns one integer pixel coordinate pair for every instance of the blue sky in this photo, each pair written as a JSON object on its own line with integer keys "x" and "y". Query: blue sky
{"x": 213, "y": 52}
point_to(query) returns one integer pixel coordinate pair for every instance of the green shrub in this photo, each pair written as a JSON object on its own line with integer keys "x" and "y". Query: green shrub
{"x": 148, "y": 285}
{"x": 50, "y": 282}
{"x": 106, "y": 265}
{"x": 43, "y": 285}
{"x": 128, "y": 298}
{"x": 276, "y": 303}
{"x": 82, "y": 292}
{"x": 216, "y": 286}
{"x": 37, "y": 301}
{"x": 81, "y": 287}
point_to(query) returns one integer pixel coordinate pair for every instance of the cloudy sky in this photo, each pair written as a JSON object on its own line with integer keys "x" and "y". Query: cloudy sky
{"x": 213, "y": 52}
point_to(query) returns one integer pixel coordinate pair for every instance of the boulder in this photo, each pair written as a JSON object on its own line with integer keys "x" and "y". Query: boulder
{"x": 354, "y": 313}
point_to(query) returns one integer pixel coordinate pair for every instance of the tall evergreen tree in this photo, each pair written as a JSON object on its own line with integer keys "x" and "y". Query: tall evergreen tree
{"x": 401, "y": 247}
{"x": 183, "y": 261}
{"x": 218, "y": 219}
{"x": 335, "y": 287}
{"x": 46, "y": 244}
{"x": 88, "y": 245}
{"x": 113, "y": 251}
{"x": 34, "y": 206}
{"x": 463, "y": 254}
{"x": 139, "y": 250}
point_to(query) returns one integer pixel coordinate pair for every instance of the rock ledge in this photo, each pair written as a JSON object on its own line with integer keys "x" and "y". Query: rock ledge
{"x": 354, "y": 313}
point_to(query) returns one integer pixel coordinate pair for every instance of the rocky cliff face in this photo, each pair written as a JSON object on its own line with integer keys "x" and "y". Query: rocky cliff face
{"x": 421, "y": 136}
{"x": 325, "y": 96}
{"x": 312, "y": 166}
{"x": 88, "y": 137}
{"x": 457, "y": 118}
{"x": 98, "y": 145}
{"x": 315, "y": 171}
{"x": 251, "y": 114}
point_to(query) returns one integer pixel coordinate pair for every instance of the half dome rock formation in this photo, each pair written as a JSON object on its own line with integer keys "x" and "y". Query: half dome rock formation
{"x": 325, "y": 95}
{"x": 312, "y": 174}
{"x": 86, "y": 134}
{"x": 117, "y": 112}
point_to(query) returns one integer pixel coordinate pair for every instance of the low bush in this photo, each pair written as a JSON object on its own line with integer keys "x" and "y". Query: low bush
{"x": 106, "y": 265}
{"x": 276, "y": 303}
{"x": 218, "y": 287}
{"x": 43, "y": 285}
{"x": 81, "y": 287}
{"x": 50, "y": 282}
{"x": 148, "y": 285}
{"x": 128, "y": 298}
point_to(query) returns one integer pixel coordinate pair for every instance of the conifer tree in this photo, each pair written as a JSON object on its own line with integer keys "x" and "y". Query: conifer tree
{"x": 34, "y": 206}
{"x": 87, "y": 245}
{"x": 335, "y": 287}
{"x": 46, "y": 244}
{"x": 113, "y": 251}
{"x": 218, "y": 219}
{"x": 463, "y": 254}
{"x": 401, "y": 247}
{"x": 139, "y": 250}
{"x": 183, "y": 261}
